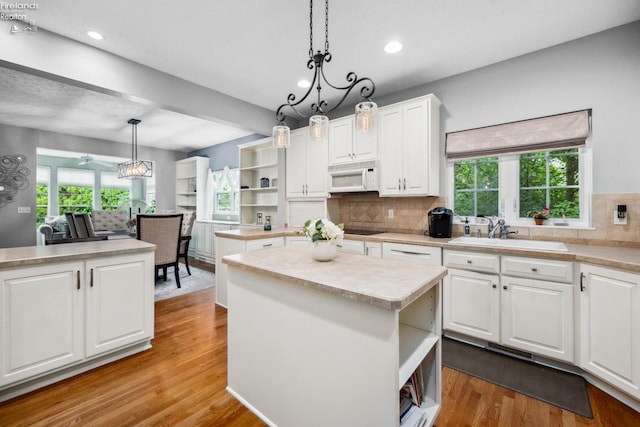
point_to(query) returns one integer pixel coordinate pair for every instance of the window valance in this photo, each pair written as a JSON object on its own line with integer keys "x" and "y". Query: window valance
{"x": 556, "y": 132}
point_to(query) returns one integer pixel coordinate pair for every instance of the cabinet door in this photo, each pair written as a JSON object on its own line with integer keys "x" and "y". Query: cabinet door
{"x": 341, "y": 141}
{"x": 537, "y": 316}
{"x": 390, "y": 137}
{"x": 204, "y": 243}
{"x": 317, "y": 169}
{"x": 260, "y": 244}
{"x": 119, "y": 302}
{"x": 296, "y": 163}
{"x": 416, "y": 159}
{"x": 41, "y": 318}
{"x": 610, "y": 326}
{"x": 373, "y": 249}
{"x": 471, "y": 304}
{"x": 224, "y": 247}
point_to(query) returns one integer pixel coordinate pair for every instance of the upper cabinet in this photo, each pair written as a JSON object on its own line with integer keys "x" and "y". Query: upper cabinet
{"x": 191, "y": 180}
{"x": 409, "y": 138}
{"x": 259, "y": 185}
{"x": 347, "y": 145}
{"x": 307, "y": 166}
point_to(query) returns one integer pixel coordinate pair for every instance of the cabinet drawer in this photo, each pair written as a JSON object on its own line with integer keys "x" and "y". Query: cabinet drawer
{"x": 427, "y": 254}
{"x": 273, "y": 242}
{"x": 472, "y": 261}
{"x": 353, "y": 246}
{"x": 536, "y": 268}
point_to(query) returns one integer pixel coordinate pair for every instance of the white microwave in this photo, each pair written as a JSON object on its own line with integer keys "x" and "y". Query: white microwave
{"x": 353, "y": 177}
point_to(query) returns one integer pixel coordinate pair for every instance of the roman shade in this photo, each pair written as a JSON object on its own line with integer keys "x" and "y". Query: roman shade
{"x": 544, "y": 133}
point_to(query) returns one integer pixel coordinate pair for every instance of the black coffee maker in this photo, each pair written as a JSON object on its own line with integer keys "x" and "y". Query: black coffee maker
{"x": 440, "y": 222}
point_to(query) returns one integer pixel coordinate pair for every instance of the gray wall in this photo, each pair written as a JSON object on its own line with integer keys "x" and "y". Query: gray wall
{"x": 19, "y": 229}
{"x": 601, "y": 72}
{"x": 226, "y": 154}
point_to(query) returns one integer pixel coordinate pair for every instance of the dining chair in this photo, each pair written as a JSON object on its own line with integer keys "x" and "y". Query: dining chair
{"x": 187, "y": 226}
{"x": 83, "y": 224}
{"x": 164, "y": 231}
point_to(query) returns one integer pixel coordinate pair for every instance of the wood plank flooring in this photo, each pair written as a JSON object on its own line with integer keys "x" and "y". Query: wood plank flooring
{"x": 181, "y": 382}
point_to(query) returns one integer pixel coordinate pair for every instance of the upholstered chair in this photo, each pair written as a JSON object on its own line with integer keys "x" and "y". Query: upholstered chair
{"x": 187, "y": 226}
{"x": 109, "y": 220}
{"x": 164, "y": 231}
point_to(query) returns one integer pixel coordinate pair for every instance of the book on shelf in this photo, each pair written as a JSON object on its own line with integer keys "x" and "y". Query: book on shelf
{"x": 412, "y": 395}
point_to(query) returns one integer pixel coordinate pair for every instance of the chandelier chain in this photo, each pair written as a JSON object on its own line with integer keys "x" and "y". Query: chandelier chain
{"x": 311, "y": 30}
{"x": 326, "y": 26}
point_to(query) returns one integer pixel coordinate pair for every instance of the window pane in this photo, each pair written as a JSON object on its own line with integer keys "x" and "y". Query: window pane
{"x": 487, "y": 174}
{"x": 565, "y": 201}
{"x": 74, "y": 199}
{"x": 223, "y": 202}
{"x": 42, "y": 203}
{"x": 532, "y": 200}
{"x": 464, "y": 204}
{"x": 533, "y": 171}
{"x": 487, "y": 203}
{"x": 464, "y": 173}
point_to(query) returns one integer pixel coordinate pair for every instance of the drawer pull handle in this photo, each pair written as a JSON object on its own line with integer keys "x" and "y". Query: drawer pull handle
{"x": 78, "y": 279}
{"x": 266, "y": 245}
{"x": 581, "y": 281}
{"x": 534, "y": 269}
{"x": 469, "y": 261}
{"x": 91, "y": 280}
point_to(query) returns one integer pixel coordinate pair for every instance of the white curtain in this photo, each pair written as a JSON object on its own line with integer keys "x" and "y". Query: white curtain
{"x": 210, "y": 188}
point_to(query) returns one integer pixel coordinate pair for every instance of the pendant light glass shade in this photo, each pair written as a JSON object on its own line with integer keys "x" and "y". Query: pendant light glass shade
{"x": 135, "y": 169}
{"x": 281, "y": 136}
{"x": 366, "y": 113}
{"x": 319, "y": 128}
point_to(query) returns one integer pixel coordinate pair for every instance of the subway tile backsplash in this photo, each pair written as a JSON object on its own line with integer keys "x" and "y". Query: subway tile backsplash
{"x": 368, "y": 211}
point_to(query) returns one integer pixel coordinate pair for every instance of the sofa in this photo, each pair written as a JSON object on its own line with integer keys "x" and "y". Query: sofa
{"x": 109, "y": 221}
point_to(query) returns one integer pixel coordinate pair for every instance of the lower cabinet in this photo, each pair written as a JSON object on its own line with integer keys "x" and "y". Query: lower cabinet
{"x": 610, "y": 326}
{"x": 204, "y": 246}
{"x": 61, "y": 315}
{"x": 227, "y": 246}
{"x": 482, "y": 298}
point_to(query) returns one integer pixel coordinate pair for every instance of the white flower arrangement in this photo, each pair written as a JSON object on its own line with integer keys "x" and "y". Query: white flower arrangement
{"x": 323, "y": 229}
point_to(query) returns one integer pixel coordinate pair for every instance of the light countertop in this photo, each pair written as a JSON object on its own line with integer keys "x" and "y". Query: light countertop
{"x": 34, "y": 255}
{"x": 624, "y": 258}
{"x": 388, "y": 283}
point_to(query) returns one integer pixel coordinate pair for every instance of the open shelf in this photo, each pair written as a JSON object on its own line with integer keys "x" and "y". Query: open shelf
{"x": 264, "y": 166}
{"x": 415, "y": 344}
{"x": 260, "y": 189}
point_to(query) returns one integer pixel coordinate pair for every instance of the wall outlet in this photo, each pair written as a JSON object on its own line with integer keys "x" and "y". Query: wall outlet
{"x": 390, "y": 213}
{"x": 24, "y": 209}
{"x": 619, "y": 221}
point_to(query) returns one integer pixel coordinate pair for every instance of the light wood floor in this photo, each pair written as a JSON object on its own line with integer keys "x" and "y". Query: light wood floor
{"x": 181, "y": 382}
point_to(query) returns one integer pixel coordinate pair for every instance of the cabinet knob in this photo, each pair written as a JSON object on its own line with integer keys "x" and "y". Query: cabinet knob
{"x": 469, "y": 261}
{"x": 399, "y": 183}
{"x": 534, "y": 269}
{"x": 504, "y": 287}
{"x": 494, "y": 286}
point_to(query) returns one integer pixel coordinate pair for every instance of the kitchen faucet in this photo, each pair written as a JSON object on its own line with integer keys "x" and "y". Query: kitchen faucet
{"x": 493, "y": 227}
{"x": 504, "y": 231}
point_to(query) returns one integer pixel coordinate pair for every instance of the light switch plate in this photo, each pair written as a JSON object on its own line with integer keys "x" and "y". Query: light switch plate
{"x": 391, "y": 213}
{"x": 24, "y": 209}
{"x": 620, "y": 221}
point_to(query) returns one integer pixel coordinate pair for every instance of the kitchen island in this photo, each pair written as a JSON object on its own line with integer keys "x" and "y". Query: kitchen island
{"x": 332, "y": 343}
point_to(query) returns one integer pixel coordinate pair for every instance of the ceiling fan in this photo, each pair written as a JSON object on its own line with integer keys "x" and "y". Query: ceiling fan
{"x": 87, "y": 159}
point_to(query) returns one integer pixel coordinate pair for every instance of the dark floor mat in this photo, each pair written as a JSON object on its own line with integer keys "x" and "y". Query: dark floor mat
{"x": 565, "y": 390}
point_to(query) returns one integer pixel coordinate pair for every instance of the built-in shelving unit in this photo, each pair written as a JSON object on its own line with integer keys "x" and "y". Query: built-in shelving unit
{"x": 259, "y": 192}
{"x": 191, "y": 179}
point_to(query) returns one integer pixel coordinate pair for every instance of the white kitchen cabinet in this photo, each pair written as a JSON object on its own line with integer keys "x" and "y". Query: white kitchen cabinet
{"x": 306, "y": 166}
{"x": 347, "y": 145}
{"x": 42, "y": 319}
{"x": 373, "y": 249}
{"x": 537, "y": 316}
{"x": 519, "y": 302}
{"x": 226, "y": 246}
{"x": 352, "y": 246}
{"x": 203, "y": 232}
{"x": 430, "y": 255}
{"x": 119, "y": 302}
{"x": 68, "y": 317}
{"x": 610, "y": 326}
{"x": 409, "y": 141}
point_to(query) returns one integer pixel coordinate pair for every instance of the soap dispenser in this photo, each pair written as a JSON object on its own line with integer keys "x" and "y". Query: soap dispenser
{"x": 467, "y": 228}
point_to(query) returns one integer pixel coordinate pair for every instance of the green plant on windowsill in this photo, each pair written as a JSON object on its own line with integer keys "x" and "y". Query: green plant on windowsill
{"x": 542, "y": 214}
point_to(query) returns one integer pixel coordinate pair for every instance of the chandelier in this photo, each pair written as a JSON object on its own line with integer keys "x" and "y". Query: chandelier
{"x": 318, "y": 122}
{"x": 135, "y": 169}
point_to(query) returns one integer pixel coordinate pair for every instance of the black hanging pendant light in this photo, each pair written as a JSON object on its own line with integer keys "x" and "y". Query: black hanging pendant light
{"x": 318, "y": 121}
{"x": 135, "y": 169}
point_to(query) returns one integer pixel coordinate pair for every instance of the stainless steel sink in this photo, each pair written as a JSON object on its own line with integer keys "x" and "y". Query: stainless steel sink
{"x": 510, "y": 243}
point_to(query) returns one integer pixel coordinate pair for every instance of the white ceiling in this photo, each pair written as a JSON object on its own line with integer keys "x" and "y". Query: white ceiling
{"x": 256, "y": 51}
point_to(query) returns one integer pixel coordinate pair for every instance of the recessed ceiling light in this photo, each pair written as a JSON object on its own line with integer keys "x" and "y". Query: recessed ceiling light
{"x": 393, "y": 47}
{"x": 304, "y": 83}
{"x": 95, "y": 35}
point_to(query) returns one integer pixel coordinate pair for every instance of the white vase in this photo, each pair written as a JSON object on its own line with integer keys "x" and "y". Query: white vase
{"x": 323, "y": 250}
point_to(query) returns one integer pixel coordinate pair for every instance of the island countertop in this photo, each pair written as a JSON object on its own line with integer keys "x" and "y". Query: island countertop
{"x": 34, "y": 255}
{"x": 388, "y": 283}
